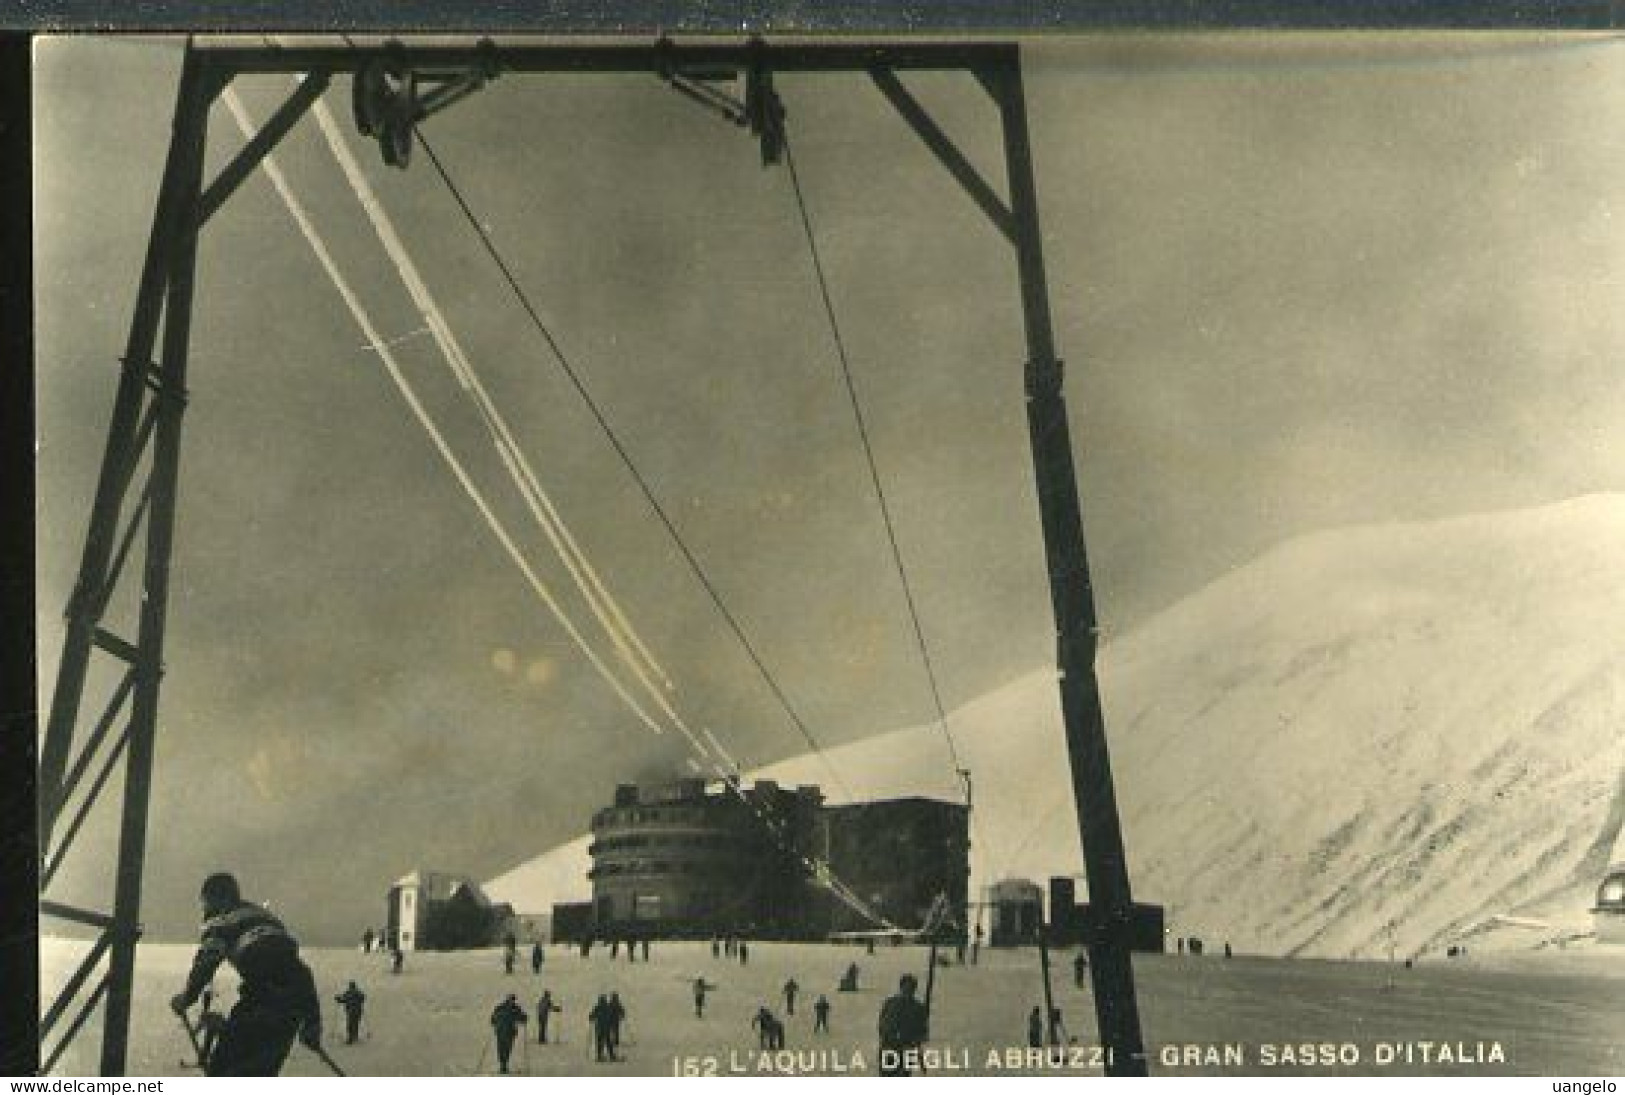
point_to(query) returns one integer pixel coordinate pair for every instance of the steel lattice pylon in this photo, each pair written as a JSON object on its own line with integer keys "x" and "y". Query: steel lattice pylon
{"x": 136, "y": 490}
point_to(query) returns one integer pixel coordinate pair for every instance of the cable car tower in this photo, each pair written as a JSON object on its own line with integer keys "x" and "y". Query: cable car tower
{"x": 395, "y": 86}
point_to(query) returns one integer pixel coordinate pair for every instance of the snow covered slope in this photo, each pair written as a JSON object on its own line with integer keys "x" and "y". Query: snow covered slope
{"x": 1367, "y": 738}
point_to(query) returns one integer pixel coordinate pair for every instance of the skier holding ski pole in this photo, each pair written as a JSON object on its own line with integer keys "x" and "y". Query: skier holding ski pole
{"x": 276, "y": 1000}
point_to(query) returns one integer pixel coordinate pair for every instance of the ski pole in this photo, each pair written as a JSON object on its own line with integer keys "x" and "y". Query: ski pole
{"x": 191, "y": 1036}
{"x": 325, "y": 1059}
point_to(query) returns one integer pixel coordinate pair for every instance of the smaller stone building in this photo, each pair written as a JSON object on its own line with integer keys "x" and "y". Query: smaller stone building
{"x": 1072, "y": 922}
{"x": 1016, "y": 907}
{"x": 439, "y": 910}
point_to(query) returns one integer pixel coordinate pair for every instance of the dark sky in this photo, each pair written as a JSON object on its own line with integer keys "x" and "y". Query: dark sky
{"x": 1299, "y": 283}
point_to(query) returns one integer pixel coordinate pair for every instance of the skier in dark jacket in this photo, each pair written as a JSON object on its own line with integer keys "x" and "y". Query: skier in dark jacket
{"x": 769, "y": 1029}
{"x": 902, "y": 1028}
{"x": 617, "y": 1016}
{"x": 506, "y": 1020}
{"x": 602, "y": 1018}
{"x": 821, "y": 1015}
{"x": 545, "y": 1008}
{"x": 790, "y": 990}
{"x": 277, "y": 998}
{"x": 536, "y": 956}
{"x": 353, "y": 1001}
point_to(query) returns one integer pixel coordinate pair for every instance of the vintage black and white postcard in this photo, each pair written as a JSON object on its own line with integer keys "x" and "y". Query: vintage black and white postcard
{"x": 844, "y": 555}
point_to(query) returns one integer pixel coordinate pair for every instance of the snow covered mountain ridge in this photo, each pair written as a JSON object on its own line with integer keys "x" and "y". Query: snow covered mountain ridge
{"x": 1367, "y": 738}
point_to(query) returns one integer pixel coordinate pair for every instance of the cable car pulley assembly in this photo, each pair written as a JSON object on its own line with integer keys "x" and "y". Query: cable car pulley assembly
{"x": 390, "y": 96}
{"x": 761, "y": 110}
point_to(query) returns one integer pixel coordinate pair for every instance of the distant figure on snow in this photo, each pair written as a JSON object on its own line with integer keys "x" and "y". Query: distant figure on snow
{"x": 1035, "y": 1028}
{"x": 510, "y": 953}
{"x": 700, "y": 989}
{"x": 849, "y": 980}
{"x": 277, "y": 999}
{"x": 1080, "y": 966}
{"x": 744, "y": 953}
{"x": 366, "y": 941}
{"x": 902, "y": 1027}
{"x": 353, "y": 1001}
{"x": 602, "y": 1019}
{"x": 536, "y": 957}
{"x": 545, "y": 1007}
{"x": 769, "y": 1031}
{"x": 1228, "y": 953}
{"x": 617, "y": 1017}
{"x": 790, "y": 990}
{"x": 397, "y": 958}
{"x": 821, "y": 1015}
{"x": 506, "y": 1020}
